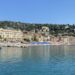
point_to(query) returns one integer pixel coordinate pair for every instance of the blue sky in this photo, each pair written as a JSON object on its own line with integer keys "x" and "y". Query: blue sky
{"x": 38, "y": 11}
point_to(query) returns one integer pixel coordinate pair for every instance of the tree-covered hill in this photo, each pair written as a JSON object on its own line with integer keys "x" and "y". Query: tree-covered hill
{"x": 55, "y": 29}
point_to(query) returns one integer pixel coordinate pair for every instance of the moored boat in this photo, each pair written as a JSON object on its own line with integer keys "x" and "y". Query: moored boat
{"x": 40, "y": 43}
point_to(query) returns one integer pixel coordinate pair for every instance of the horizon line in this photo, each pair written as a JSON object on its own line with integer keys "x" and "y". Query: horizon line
{"x": 36, "y": 22}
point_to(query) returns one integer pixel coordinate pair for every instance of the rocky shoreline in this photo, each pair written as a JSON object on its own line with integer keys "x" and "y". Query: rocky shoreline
{"x": 24, "y": 45}
{"x": 12, "y": 44}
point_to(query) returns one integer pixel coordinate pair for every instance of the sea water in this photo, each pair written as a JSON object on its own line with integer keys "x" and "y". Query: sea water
{"x": 38, "y": 60}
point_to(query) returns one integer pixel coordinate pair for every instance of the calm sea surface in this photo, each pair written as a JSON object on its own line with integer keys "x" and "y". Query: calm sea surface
{"x": 39, "y": 60}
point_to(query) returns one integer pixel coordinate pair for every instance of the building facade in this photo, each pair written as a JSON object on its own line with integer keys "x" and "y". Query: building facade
{"x": 10, "y": 35}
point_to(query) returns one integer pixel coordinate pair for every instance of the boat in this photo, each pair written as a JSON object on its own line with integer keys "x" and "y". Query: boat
{"x": 40, "y": 43}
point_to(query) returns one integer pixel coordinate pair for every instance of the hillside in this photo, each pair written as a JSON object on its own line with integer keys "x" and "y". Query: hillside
{"x": 55, "y": 29}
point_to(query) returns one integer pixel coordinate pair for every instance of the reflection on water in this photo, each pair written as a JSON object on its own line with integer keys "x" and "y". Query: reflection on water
{"x": 38, "y": 60}
{"x": 37, "y": 52}
{"x": 9, "y": 53}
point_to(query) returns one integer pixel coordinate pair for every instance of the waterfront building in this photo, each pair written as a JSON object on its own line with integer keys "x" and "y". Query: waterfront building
{"x": 11, "y": 35}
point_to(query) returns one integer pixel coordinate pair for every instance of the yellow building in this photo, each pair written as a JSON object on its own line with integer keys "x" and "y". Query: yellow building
{"x": 10, "y": 35}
